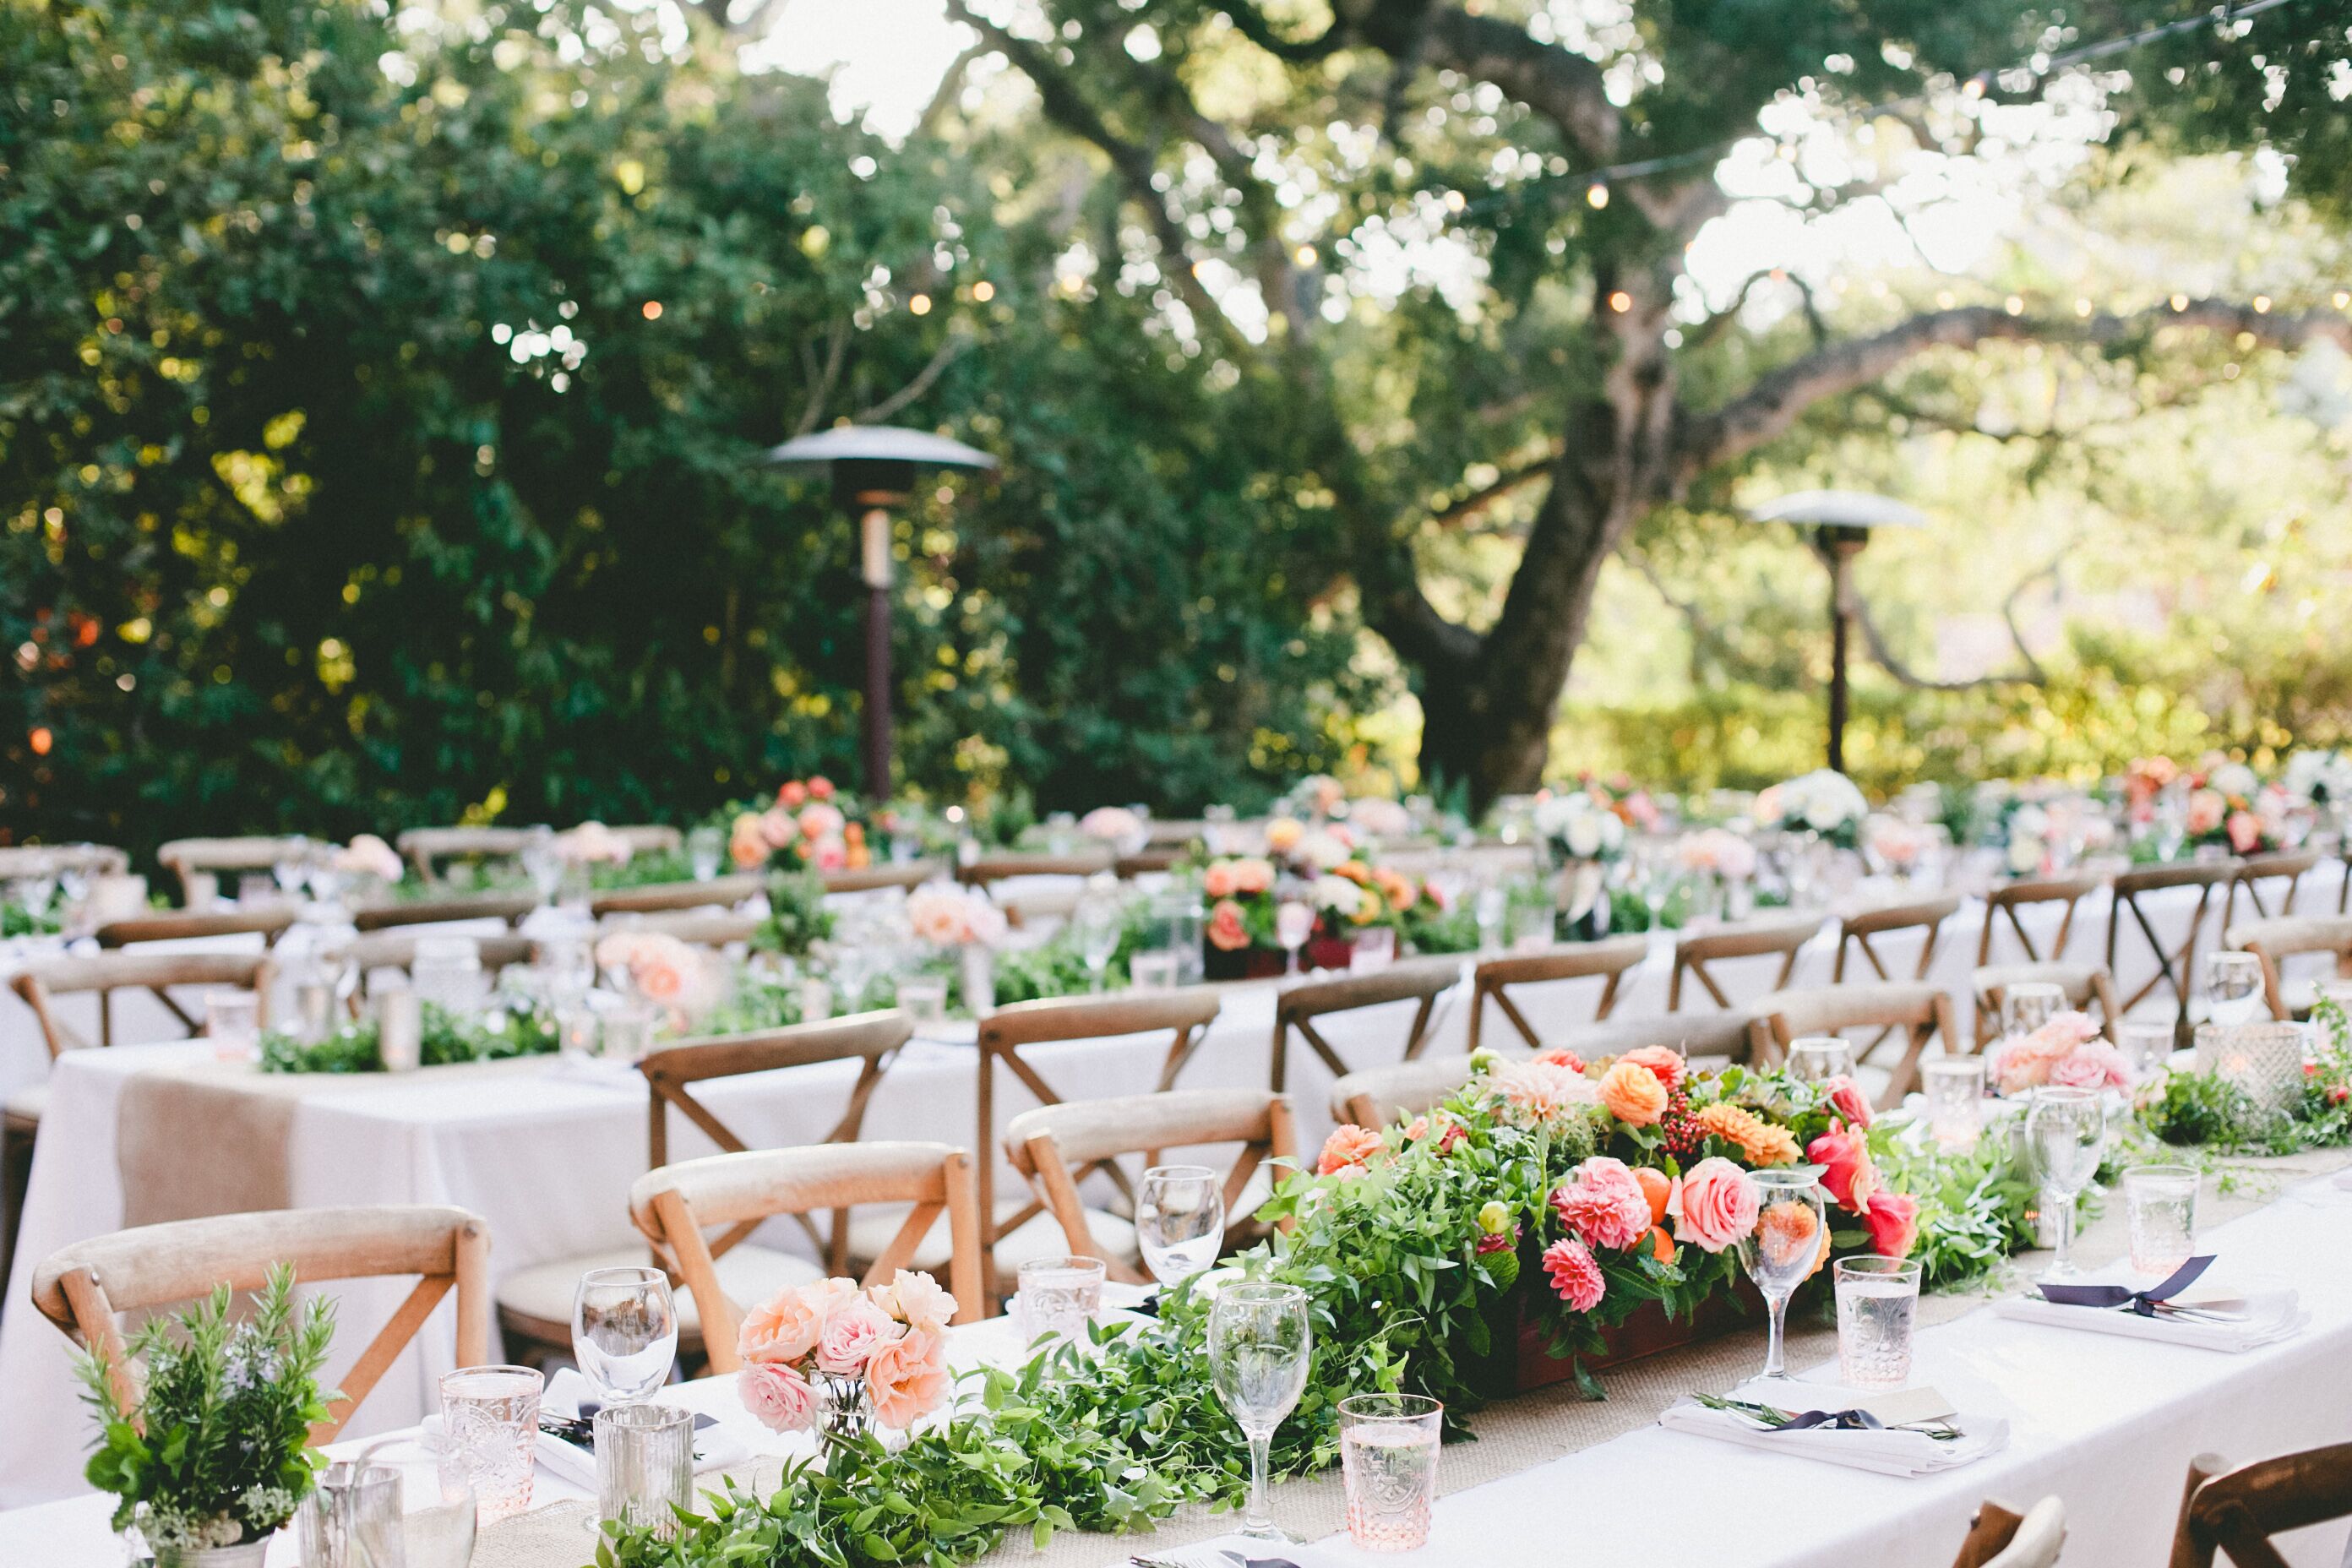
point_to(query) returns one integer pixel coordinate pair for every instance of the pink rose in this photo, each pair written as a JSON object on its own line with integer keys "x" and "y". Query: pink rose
{"x": 778, "y": 1397}
{"x": 821, "y": 821}
{"x": 852, "y": 1335}
{"x": 777, "y": 826}
{"x": 1218, "y": 881}
{"x": 1559, "y": 1057}
{"x": 820, "y": 788}
{"x": 1846, "y": 1098}
{"x": 791, "y": 794}
{"x": 783, "y": 1330}
{"x": 1848, "y": 1172}
{"x": 2206, "y": 810}
{"x": 1252, "y": 876}
{"x": 913, "y": 1296}
{"x": 1226, "y": 931}
{"x": 2245, "y": 832}
{"x": 1575, "y": 1276}
{"x": 1717, "y": 1205}
{"x": 2097, "y": 1065}
{"x": 1349, "y": 1145}
{"x": 907, "y": 1377}
{"x": 1602, "y": 1202}
{"x": 1893, "y": 1220}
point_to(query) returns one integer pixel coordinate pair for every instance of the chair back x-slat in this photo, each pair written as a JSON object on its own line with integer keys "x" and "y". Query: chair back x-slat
{"x": 1419, "y": 980}
{"x": 893, "y": 874}
{"x": 2175, "y": 966}
{"x": 426, "y": 848}
{"x": 2004, "y": 902}
{"x": 1784, "y": 936}
{"x": 1855, "y": 932}
{"x": 197, "y": 861}
{"x": 105, "y": 974}
{"x": 2236, "y": 1511}
{"x": 990, "y": 868}
{"x": 1492, "y": 980}
{"x": 2287, "y": 867}
{"x": 673, "y": 1205}
{"x": 1922, "y": 1012}
{"x": 39, "y": 859}
{"x": 82, "y": 1287}
{"x": 1054, "y": 1147}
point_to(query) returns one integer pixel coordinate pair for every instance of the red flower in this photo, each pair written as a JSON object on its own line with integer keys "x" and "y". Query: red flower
{"x": 820, "y": 788}
{"x": 1663, "y": 1060}
{"x": 1848, "y": 1175}
{"x": 1893, "y": 1220}
{"x": 1491, "y": 1243}
{"x": 1848, "y": 1101}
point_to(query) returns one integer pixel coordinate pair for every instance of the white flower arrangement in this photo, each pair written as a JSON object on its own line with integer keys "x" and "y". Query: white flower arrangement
{"x": 1824, "y": 801}
{"x": 1581, "y": 827}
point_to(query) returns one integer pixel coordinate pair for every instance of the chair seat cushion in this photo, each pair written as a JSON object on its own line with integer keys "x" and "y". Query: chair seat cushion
{"x": 25, "y": 1103}
{"x": 875, "y": 1226}
{"x": 749, "y": 1274}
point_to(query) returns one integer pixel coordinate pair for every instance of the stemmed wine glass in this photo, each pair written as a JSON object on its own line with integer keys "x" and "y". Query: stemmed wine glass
{"x": 624, "y": 1331}
{"x": 1780, "y": 1251}
{"x": 2066, "y": 1129}
{"x": 1096, "y": 923}
{"x": 1179, "y": 1221}
{"x": 541, "y": 862}
{"x": 1294, "y": 922}
{"x": 1259, "y": 1347}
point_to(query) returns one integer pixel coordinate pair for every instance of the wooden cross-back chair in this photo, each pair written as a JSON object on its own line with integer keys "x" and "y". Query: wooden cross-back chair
{"x": 1855, "y": 930}
{"x": 2289, "y": 867}
{"x": 105, "y": 974}
{"x": 426, "y": 848}
{"x": 1493, "y": 978}
{"x": 697, "y": 928}
{"x": 2175, "y": 966}
{"x": 1148, "y": 862}
{"x": 1379, "y": 1096}
{"x": 1186, "y": 1014}
{"x": 81, "y": 1287}
{"x": 2291, "y": 936}
{"x": 673, "y": 1204}
{"x": 2089, "y": 989}
{"x": 1419, "y": 980}
{"x": 1999, "y": 1539}
{"x": 35, "y": 859}
{"x": 506, "y": 907}
{"x": 1922, "y": 1012}
{"x": 989, "y": 869}
{"x": 1054, "y": 1147}
{"x": 2004, "y": 902}
{"x": 2236, "y": 1511}
{"x": 198, "y": 862}
{"x": 891, "y": 874}
{"x": 1785, "y": 936}
{"x": 535, "y": 1304}
{"x": 718, "y": 892}
{"x": 264, "y": 924}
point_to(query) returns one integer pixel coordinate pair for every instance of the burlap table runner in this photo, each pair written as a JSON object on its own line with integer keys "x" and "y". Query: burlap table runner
{"x": 212, "y": 1138}
{"x": 1514, "y": 1435}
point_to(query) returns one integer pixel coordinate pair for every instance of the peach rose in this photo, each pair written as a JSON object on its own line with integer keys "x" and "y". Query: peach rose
{"x": 1226, "y": 931}
{"x": 1282, "y": 833}
{"x": 783, "y": 1330}
{"x": 852, "y": 1335}
{"x": 747, "y": 846}
{"x": 1664, "y": 1061}
{"x": 1217, "y": 882}
{"x": 1715, "y": 1203}
{"x": 778, "y": 1397}
{"x": 907, "y": 1377}
{"x": 777, "y": 826}
{"x": 1893, "y": 1220}
{"x": 1348, "y": 1145}
{"x": 1632, "y": 1094}
{"x": 2245, "y": 832}
{"x": 1253, "y": 875}
{"x": 820, "y": 788}
{"x": 791, "y": 794}
{"x": 915, "y": 1298}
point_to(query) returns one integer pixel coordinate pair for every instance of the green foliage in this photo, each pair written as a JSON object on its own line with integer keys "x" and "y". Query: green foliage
{"x": 1976, "y": 1206}
{"x": 447, "y": 1039}
{"x": 215, "y": 1451}
{"x": 797, "y": 918}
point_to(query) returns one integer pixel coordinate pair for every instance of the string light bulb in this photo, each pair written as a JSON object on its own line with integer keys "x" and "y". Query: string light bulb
{"x": 2343, "y": 299}
{"x": 1620, "y": 301}
{"x": 2179, "y": 302}
{"x": 1596, "y": 196}
{"x": 2261, "y": 304}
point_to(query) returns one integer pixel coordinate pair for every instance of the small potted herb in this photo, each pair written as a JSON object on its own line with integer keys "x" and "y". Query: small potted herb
{"x": 213, "y": 1453}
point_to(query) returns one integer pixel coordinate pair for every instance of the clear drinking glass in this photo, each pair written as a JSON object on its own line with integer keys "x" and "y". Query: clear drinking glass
{"x": 233, "y": 1024}
{"x": 1151, "y": 971}
{"x": 1814, "y": 1058}
{"x": 1179, "y": 1221}
{"x": 352, "y": 1518}
{"x": 1260, "y": 1345}
{"x": 624, "y": 1331}
{"x": 705, "y": 847}
{"x": 1388, "y": 1450}
{"x": 490, "y": 1416}
{"x": 924, "y": 999}
{"x": 2066, "y": 1131}
{"x": 628, "y": 1032}
{"x": 543, "y": 863}
{"x": 1954, "y": 1087}
{"x": 645, "y": 1465}
{"x": 1097, "y": 923}
{"x": 1057, "y": 1296}
{"x": 1294, "y": 922}
{"x": 1780, "y": 1253}
{"x": 436, "y": 1512}
{"x": 2161, "y": 1201}
{"x": 2146, "y": 1046}
{"x": 2030, "y": 1004}
{"x": 1877, "y": 1298}
{"x": 2233, "y": 987}
{"x": 1375, "y": 948}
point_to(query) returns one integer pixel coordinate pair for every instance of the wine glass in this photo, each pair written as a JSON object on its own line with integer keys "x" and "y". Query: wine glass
{"x": 2233, "y": 987}
{"x": 2028, "y": 1005}
{"x": 1493, "y": 908}
{"x": 541, "y": 863}
{"x": 1294, "y": 922}
{"x": 1814, "y": 1058}
{"x": 1179, "y": 1221}
{"x": 1783, "y": 1247}
{"x": 624, "y": 1331}
{"x": 1259, "y": 1347}
{"x": 1096, "y": 925}
{"x": 2067, "y": 1130}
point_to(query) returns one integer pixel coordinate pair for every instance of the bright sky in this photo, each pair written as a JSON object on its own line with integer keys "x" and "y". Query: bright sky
{"x": 886, "y": 55}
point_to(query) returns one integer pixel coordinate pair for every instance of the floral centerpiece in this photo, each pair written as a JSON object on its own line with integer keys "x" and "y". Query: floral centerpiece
{"x": 1347, "y": 894}
{"x": 1579, "y": 825}
{"x": 840, "y": 1360}
{"x": 1824, "y": 801}
{"x": 211, "y": 1452}
{"x": 673, "y": 976}
{"x": 2230, "y": 807}
{"x": 1377, "y": 817}
{"x": 961, "y": 921}
{"x": 2068, "y": 1049}
{"x": 1115, "y": 826}
{"x": 809, "y": 825}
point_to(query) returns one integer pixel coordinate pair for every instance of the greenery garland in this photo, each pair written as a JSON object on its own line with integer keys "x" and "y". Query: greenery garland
{"x": 2202, "y": 1108}
{"x": 446, "y": 1039}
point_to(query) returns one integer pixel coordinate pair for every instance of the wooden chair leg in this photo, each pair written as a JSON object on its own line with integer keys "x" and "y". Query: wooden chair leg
{"x": 2186, "y": 1553}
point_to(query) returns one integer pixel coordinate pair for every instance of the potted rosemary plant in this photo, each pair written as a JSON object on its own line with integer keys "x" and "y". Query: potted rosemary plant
{"x": 210, "y": 1452}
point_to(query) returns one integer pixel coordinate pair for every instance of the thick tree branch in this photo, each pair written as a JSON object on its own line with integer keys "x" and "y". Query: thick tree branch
{"x": 1564, "y": 87}
{"x": 1251, "y": 23}
{"x": 950, "y": 87}
{"x": 1479, "y": 499}
{"x": 1886, "y": 658}
{"x": 1780, "y": 397}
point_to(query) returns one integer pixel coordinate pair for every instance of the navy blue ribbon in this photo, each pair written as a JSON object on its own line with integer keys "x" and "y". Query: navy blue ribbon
{"x": 2143, "y": 1302}
{"x": 1832, "y": 1421}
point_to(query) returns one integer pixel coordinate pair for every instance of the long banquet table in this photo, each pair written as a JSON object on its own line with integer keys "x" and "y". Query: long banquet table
{"x": 546, "y": 1153}
{"x": 2106, "y": 1424}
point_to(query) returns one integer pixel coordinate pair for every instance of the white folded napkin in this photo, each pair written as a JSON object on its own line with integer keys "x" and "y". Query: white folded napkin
{"x": 2271, "y": 1315}
{"x": 1886, "y": 1451}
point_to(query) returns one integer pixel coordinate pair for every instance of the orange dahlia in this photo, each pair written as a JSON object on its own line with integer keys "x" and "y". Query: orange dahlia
{"x": 1757, "y": 1139}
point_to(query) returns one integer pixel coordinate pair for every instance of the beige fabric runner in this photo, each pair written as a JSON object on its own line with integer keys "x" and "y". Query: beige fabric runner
{"x": 212, "y": 1138}
{"x": 1514, "y": 1435}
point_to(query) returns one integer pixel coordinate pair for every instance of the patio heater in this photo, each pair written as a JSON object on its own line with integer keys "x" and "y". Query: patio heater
{"x": 1837, "y": 524}
{"x": 873, "y": 469}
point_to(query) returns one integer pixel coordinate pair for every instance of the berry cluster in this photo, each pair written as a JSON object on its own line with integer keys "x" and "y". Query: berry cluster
{"x": 1679, "y": 1130}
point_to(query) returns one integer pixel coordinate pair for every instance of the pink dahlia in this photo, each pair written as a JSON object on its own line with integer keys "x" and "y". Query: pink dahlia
{"x": 1575, "y": 1276}
{"x": 1603, "y": 1202}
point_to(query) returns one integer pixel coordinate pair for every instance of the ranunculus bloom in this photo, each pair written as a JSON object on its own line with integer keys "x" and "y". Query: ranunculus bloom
{"x": 1603, "y": 1202}
{"x": 778, "y": 1397}
{"x": 1348, "y": 1145}
{"x": 820, "y": 788}
{"x": 782, "y": 1330}
{"x": 907, "y": 1378}
{"x": 1575, "y": 1276}
{"x": 1494, "y": 1218}
{"x": 1893, "y": 1220}
{"x": 777, "y": 826}
{"x": 1847, "y": 1171}
{"x": 1226, "y": 931}
{"x": 1664, "y": 1061}
{"x": 1633, "y": 1094}
{"x": 1217, "y": 882}
{"x": 914, "y": 1296}
{"x": 792, "y": 794}
{"x": 1847, "y": 1099}
{"x": 852, "y": 1335}
{"x": 1715, "y": 1205}
{"x": 1559, "y": 1057}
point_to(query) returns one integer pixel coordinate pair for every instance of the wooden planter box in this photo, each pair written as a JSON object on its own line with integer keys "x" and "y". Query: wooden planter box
{"x": 1244, "y": 964}
{"x": 1646, "y": 1333}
